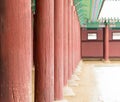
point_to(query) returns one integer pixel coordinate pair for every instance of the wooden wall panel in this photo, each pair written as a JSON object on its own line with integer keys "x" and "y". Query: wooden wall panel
{"x": 92, "y": 48}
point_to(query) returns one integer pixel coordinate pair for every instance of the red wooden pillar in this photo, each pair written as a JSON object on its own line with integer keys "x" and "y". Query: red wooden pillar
{"x": 65, "y": 42}
{"x": 72, "y": 35}
{"x": 58, "y": 61}
{"x": 78, "y": 56}
{"x": 74, "y": 39}
{"x": 106, "y": 43}
{"x": 15, "y": 51}
{"x": 70, "y": 40}
{"x": 79, "y": 41}
{"x": 44, "y": 51}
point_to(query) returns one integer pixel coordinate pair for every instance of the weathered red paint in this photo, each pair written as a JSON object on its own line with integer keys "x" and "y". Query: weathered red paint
{"x": 44, "y": 51}
{"x": 114, "y": 45}
{"x": 92, "y": 49}
{"x": 65, "y": 42}
{"x": 72, "y": 34}
{"x": 70, "y": 63}
{"x": 15, "y": 51}
{"x": 80, "y": 47}
{"x": 74, "y": 39}
{"x": 106, "y": 43}
{"x": 58, "y": 43}
{"x": 114, "y": 49}
{"x": 78, "y": 42}
{"x": 92, "y": 45}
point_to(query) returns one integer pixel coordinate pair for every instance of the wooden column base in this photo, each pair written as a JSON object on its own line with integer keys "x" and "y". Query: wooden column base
{"x": 68, "y": 91}
{"x": 106, "y": 61}
{"x": 73, "y": 83}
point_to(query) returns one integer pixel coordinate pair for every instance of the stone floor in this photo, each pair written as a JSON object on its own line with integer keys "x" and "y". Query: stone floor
{"x": 99, "y": 82}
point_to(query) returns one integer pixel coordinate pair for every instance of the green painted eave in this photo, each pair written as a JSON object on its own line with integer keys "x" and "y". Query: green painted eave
{"x": 102, "y": 24}
{"x": 86, "y": 9}
{"x": 99, "y": 9}
{"x": 97, "y": 5}
{"x": 116, "y": 25}
{"x": 83, "y": 9}
{"x": 92, "y": 25}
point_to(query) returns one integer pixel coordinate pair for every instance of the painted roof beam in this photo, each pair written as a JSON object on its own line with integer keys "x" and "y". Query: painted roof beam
{"x": 102, "y": 3}
{"x": 82, "y": 9}
{"x": 94, "y": 10}
{"x": 98, "y": 9}
{"x": 87, "y": 9}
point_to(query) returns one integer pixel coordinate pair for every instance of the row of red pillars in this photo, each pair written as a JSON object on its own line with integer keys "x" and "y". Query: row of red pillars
{"x": 56, "y": 49}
